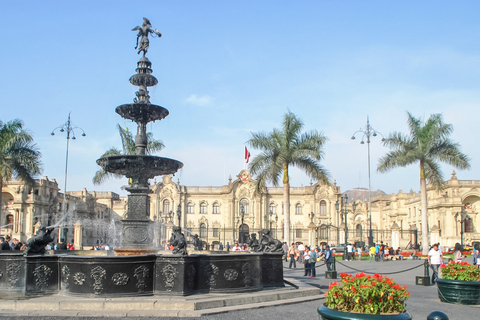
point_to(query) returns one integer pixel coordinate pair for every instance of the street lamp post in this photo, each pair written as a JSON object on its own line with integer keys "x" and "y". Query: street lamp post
{"x": 368, "y": 132}
{"x": 271, "y": 217}
{"x": 242, "y": 212}
{"x": 462, "y": 221}
{"x": 179, "y": 215}
{"x": 70, "y": 129}
{"x": 276, "y": 225}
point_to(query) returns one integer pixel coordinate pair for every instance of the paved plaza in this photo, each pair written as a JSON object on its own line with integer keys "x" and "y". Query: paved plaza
{"x": 423, "y": 300}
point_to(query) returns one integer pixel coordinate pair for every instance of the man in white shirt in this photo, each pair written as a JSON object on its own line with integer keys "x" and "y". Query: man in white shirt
{"x": 301, "y": 249}
{"x": 349, "y": 251}
{"x": 435, "y": 259}
{"x": 236, "y": 247}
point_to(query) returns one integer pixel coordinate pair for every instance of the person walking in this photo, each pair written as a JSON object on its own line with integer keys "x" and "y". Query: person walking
{"x": 349, "y": 252}
{"x": 306, "y": 261}
{"x": 314, "y": 254}
{"x": 371, "y": 253}
{"x": 291, "y": 254}
{"x": 359, "y": 252}
{"x": 301, "y": 249}
{"x": 377, "y": 251}
{"x": 381, "y": 252}
{"x": 435, "y": 259}
{"x": 328, "y": 257}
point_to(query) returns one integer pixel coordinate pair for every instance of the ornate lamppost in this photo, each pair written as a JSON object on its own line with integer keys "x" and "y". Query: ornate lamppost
{"x": 69, "y": 128}
{"x": 368, "y": 132}
{"x": 312, "y": 227}
{"x": 271, "y": 219}
{"x": 242, "y": 213}
{"x": 462, "y": 216}
{"x": 276, "y": 225}
{"x": 179, "y": 215}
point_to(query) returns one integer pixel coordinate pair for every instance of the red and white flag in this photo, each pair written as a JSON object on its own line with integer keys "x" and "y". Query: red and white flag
{"x": 247, "y": 155}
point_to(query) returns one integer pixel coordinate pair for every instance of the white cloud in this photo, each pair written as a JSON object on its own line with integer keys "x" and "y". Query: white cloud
{"x": 201, "y": 101}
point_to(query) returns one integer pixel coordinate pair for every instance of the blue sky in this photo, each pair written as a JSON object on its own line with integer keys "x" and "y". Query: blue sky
{"x": 228, "y": 68}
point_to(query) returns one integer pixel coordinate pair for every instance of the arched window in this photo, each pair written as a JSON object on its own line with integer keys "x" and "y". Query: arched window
{"x": 323, "y": 232}
{"x": 298, "y": 208}
{"x": 203, "y": 230}
{"x": 216, "y": 207}
{"x": 189, "y": 207}
{"x": 468, "y": 224}
{"x": 358, "y": 231}
{"x": 272, "y": 208}
{"x": 166, "y": 206}
{"x": 244, "y": 204}
{"x": 323, "y": 207}
{"x": 10, "y": 221}
{"x": 203, "y": 207}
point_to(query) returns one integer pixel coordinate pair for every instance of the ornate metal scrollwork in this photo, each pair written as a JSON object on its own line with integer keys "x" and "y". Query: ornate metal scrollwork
{"x": 79, "y": 278}
{"x": 249, "y": 274}
{"x": 141, "y": 273}
{"x": 231, "y": 274}
{"x": 42, "y": 275}
{"x": 211, "y": 271}
{"x": 120, "y": 279}
{"x": 13, "y": 272}
{"x": 169, "y": 274}
{"x": 98, "y": 274}
{"x": 65, "y": 275}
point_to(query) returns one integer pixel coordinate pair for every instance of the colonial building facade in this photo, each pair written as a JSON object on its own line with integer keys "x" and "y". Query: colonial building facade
{"x": 24, "y": 210}
{"x": 235, "y": 211}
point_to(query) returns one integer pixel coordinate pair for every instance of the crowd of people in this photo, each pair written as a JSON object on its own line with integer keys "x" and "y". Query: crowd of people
{"x": 436, "y": 258}
{"x": 7, "y": 244}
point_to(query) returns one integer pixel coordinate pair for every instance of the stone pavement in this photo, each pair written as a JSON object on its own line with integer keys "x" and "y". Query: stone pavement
{"x": 294, "y": 302}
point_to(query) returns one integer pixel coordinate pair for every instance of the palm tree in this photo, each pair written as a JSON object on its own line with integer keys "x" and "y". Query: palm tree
{"x": 128, "y": 148}
{"x": 427, "y": 144}
{"x": 19, "y": 156}
{"x": 282, "y": 149}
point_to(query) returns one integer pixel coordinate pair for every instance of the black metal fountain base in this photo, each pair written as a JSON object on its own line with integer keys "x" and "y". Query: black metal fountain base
{"x": 130, "y": 276}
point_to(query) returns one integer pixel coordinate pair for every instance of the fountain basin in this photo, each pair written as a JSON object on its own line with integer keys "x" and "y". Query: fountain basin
{"x": 129, "y": 276}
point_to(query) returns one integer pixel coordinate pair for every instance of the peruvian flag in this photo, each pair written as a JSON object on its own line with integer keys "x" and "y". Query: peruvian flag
{"x": 247, "y": 155}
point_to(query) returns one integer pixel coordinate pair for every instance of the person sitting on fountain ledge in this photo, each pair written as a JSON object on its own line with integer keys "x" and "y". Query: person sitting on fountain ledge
{"x": 177, "y": 240}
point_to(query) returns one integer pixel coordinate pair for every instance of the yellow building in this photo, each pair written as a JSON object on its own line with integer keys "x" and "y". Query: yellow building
{"x": 215, "y": 213}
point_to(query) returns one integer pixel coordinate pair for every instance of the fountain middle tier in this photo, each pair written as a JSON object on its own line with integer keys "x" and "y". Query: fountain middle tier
{"x": 142, "y": 112}
{"x": 138, "y": 167}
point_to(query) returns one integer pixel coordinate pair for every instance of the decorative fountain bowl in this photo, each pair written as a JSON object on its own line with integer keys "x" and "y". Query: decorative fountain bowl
{"x": 131, "y": 166}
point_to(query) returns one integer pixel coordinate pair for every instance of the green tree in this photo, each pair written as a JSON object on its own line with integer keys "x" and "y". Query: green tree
{"x": 427, "y": 144}
{"x": 128, "y": 148}
{"x": 281, "y": 149}
{"x": 19, "y": 156}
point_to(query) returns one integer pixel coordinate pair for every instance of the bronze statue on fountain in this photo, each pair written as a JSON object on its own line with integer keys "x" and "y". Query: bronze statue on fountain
{"x": 36, "y": 244}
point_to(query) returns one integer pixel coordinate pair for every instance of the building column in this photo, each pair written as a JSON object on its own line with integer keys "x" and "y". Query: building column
{"x": 77, "y": 236}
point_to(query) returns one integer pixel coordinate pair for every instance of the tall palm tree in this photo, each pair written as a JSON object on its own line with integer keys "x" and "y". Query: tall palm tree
{"x": 427, "y": 144}
{"x": 282, "y": 149}
{"x": 19, "y": 156}
{"x": 128, "y": 148}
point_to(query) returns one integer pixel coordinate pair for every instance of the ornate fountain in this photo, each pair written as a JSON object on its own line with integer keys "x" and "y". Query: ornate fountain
{"x": 140, "y": 167}
{"x": 136, "y": 270}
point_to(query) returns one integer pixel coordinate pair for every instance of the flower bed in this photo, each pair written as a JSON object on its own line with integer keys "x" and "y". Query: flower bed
{"x": 462, "y": 271}
{"x": 366, "y": 294}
